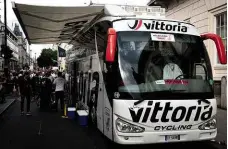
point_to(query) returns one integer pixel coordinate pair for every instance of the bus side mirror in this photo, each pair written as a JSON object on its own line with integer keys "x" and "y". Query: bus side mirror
{"x": 219, "y": 45}
{"x": 111, "y": 45}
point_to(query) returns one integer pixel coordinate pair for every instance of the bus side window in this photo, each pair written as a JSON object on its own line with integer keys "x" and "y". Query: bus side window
{"x": 200, "y": 72}
{"x": 78, "y": 85}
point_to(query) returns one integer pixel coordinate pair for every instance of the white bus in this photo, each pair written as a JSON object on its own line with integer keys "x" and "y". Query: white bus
{"x": 145, "y": 79}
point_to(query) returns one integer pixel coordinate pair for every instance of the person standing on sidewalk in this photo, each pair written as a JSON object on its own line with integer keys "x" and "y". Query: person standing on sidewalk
{"x": 25, "y": 90}
{"x": 45, "y": 95}
{"x": 60, "y": 84}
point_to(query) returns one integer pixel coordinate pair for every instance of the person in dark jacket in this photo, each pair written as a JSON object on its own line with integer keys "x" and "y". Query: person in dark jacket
{"x": 36, "y": 87}
{"x": 45, "y": 95}
{"x": 25, "y": 89}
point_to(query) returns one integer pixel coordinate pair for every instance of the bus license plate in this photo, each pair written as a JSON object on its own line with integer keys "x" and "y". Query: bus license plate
{"x": 172, "y": 137}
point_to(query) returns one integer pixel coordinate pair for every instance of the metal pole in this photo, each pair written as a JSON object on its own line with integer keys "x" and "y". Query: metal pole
{"x": 29, "y": 56}
{"x": 58, "y": 57}
{"x": 35, "y": 60}
{"x": 6, "y": 61}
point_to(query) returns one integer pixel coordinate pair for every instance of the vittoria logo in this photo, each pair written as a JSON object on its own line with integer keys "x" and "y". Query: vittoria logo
{"x": 137, "y": 25}
{"x": 173, "y": 127}
{"x": 169, "y": 113}
{"x": 159, "y": 25}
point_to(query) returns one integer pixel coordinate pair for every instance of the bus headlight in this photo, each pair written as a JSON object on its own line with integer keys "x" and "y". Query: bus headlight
{"x": 211, "y": 124}
{"x": 126, "y": 127}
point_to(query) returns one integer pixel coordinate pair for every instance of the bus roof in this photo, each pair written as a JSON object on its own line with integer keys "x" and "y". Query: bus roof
{"x": 111, "y": 18}
{"x": 51, "y": 24}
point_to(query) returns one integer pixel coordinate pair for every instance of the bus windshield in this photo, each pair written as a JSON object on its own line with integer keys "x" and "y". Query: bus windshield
{"x": 164, "y": 65}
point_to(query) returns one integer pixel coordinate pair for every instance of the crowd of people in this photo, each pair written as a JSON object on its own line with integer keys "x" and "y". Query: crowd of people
{"x": 45, "y": 87}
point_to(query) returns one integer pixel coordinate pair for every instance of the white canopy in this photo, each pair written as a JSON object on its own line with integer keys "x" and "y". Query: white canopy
{"x": 51, "y": 24}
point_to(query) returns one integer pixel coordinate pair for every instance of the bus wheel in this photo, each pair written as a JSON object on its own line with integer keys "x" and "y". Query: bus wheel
{"x": 92, "y": 113}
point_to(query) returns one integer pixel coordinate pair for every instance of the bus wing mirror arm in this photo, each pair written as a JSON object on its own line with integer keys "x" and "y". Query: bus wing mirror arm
{"x": 219, "y": 45}
{"x": 111, "y": 46}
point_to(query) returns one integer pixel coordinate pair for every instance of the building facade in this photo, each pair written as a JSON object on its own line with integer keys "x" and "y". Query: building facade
{"x": 18, "y": 45}
{"x": 208, "y": 16}
{"x": 22, "y": 47}
{"x": 12, "y": 42}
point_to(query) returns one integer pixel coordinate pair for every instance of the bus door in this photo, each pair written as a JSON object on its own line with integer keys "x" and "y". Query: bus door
{"x": 96, "y": 94}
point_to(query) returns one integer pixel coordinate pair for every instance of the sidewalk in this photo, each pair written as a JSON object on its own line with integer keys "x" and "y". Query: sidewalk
{"x": 9, "y": 101}
{"x": 222, "y": 125}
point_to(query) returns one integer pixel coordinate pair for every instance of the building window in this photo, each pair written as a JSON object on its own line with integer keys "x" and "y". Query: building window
{"x": 221, "y": 28}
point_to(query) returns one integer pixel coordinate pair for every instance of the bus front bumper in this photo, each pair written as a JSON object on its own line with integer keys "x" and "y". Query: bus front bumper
{"x": 161, "y": 137}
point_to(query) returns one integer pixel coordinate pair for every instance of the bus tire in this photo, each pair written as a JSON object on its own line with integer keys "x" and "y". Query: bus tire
{"x": 92, "y": 113}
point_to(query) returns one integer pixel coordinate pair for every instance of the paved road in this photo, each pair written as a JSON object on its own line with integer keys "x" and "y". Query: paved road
{"x": 222, "y": 125}
{"x": 22, "y": 132}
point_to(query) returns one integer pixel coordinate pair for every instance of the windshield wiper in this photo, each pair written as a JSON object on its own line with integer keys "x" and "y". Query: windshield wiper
{"x": 204, "y": 100}
{"x": 139, "y": 101}
{"x": 162, "y": 91}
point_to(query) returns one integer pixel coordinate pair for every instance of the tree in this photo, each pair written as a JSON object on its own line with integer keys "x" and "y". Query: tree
{"x": 47, "y": 58}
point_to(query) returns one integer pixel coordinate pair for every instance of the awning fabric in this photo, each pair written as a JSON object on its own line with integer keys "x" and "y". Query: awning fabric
{"x": 14, "y": 59}
{"x": 51, "y": 24}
